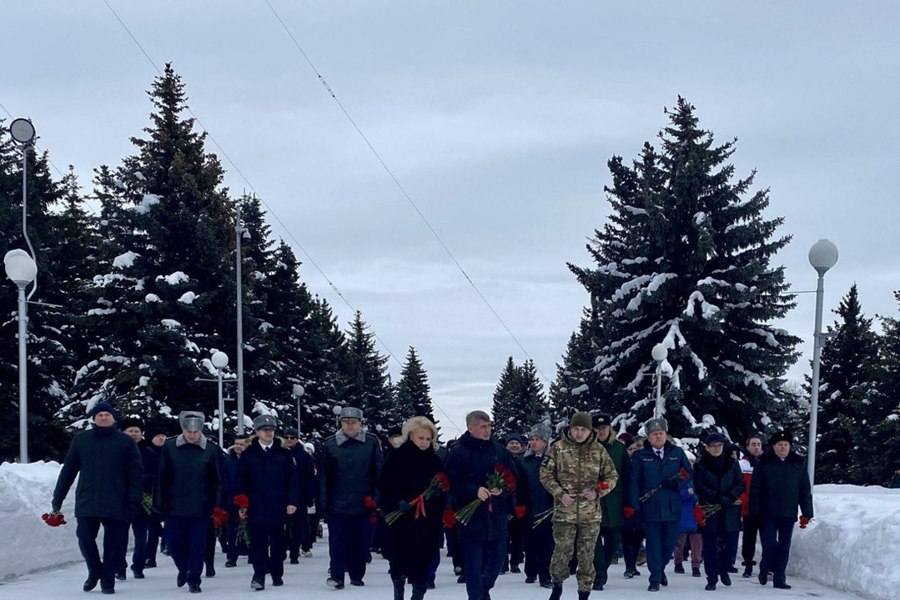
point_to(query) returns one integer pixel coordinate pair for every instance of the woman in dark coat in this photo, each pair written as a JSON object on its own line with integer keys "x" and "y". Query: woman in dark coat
{"x": 414, "y": 538}
{"x": 719, "y": 483}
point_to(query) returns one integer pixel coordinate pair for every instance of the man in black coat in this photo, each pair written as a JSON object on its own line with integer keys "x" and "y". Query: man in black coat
{"x": 187, "y": 490}
{"x": 267, "y": 475}
{"x": 297, "y": 527}
{"x": 108, "y": 466}
{"x": 230, "y": 464}
{"x": 134, "y": 428}
{"x": 483, "y": 538}
{"x": 780, "y": 485}
{"x": 537, "y": 500}
{"x": 349, "y": 468}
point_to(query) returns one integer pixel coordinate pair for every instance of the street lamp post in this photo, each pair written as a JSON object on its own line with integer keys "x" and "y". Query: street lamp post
{"x": 297, "y": 392}
{"x": 659, "y": 353}
{"x": 822, "y": 256}
{"x": 239, "y": 234}
{"x": 22, "y": 131}
{"x": 220, "y": 361}
{"x": 22, "y": 270}
{"x": 336, "y": 409}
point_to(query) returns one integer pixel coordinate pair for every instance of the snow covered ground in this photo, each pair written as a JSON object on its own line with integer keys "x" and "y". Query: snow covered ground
{"x": 851, "y": 548}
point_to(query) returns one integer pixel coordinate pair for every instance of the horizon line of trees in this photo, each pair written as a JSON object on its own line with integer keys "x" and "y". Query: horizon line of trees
{"x": 683, "y": 259}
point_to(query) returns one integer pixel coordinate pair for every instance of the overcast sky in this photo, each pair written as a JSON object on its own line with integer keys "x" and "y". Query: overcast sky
{"x": 497, "y": 118}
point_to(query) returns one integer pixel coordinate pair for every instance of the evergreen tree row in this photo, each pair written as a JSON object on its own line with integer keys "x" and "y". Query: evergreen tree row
{"x": 135, "y": 299}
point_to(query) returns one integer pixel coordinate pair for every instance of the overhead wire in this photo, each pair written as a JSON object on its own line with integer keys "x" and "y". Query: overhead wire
{"x": 269, "y": 208}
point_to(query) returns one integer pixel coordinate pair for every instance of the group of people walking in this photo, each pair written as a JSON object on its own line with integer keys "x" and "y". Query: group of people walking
{"x": 560, "y": 506}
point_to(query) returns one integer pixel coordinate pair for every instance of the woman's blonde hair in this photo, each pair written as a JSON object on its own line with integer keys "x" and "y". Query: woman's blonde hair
{"x": 419, "y": 423}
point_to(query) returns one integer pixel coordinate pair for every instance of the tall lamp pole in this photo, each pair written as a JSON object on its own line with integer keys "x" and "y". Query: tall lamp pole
{"x": 658, "y": 353}
{"x": 22, "y": 131}
{"x": 297, "y": 392}
{"x": 22, "y": 270}
{"x": 239, "y": 233}
{"x": 822, "y": 256}
{"x": 220, "y": 361}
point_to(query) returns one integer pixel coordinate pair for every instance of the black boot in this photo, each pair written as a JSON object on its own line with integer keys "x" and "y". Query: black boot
{"x": 418, "y": 591}
{"x": 583, "y": 595}
{"x": 556, "y": 594}
{"x": 399, "y": 587}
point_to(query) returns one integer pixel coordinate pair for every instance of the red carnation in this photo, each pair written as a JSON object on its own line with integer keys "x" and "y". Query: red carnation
{"x": 54, "y": 519}
{"x": 602, "y": 485}
{"x": 520, "y": 512}
{"x": 370, "y": 503}
{"x": 629, "y": 512}
{"x": 242, "y": 501}
{"x": 449, "y": 518}
{"x": 682, "y": 472}
{"x": 699, "y": 515}
{"x": 804, "y": 521}
{"x": 443, "y": 482}
{"x": 219, "y": 517}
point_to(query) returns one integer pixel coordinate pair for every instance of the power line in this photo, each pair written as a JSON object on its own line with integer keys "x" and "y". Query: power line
{"x": 400, "y": 187}
{"x": 270, "y": 210}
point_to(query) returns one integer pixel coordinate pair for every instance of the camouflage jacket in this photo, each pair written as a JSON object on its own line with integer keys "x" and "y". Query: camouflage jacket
{"x": 572, "y": 468}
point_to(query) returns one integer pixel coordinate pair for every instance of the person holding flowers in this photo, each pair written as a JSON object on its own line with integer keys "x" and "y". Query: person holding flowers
{"x": 719, "y": 484}
{"x": 658, "y": 472}
{"x": 537, "y": 501}
{"x": 413, "y": 495}
{"x": 577, "y": 472}
{"x": 108, "y": 467}
{"x": 480, "y": 472}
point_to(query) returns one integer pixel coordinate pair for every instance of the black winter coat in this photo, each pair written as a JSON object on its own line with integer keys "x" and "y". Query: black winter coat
{"x": 150, "y": 462}
{"x": 108, "y": 466}
{"x": 189, "y": 483}
{"x": 229, "y": 468}
{"x": 719, "y": 481}
{"x": 469, "y": 465}
{"x": 532, "y": 493}
{"x": 306, "y": 477}
{"x": 780, "y": 486}
{"x": 348, "y": 472}
{"x": 406, "y": 474}
{"x": 269, "y": 480}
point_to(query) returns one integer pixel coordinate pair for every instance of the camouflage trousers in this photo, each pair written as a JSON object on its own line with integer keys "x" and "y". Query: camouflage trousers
{"x": 578, "y": 539}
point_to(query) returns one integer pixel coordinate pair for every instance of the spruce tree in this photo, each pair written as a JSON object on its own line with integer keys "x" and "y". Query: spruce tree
{"x": 847, "y": 385}
{"x": 367, "y": 381}
{"x": 882, "y": 466}
{"x": 684, "y": 261}
{"x": 413, "y": 392}
{"x": 519, "y": 401}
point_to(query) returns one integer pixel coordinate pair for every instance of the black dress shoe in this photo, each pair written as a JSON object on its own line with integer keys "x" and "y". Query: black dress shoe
{"x": 295, "y": 561}
{"x": 120, "y": 576}
{"x": 107, "y": 590}
{"x": 194, "y": 588}
{"x": 150, "y": 564}
{"x": 256, "y": 585}
{"x": 664, "y": 580}
{"x": 679, "y": 568}
{"x": 210, "y": 571}
{"x": 530, "y": 579}
{"x": 181, "y": 579}
{"x": 277, "y": 581}
{"x": 763, "y": 577}
{"x": 781, "y": 585}
{"x": 653, "y": 587}
{"x": 597, "y": 587}
{"x": 357, "y": 582}
{"x": 137, "y": 574}
{"x": 710, "y": 586}
{"x": 748, "y": 572}
{"x": 230, "y": 563}
{"x": 90, "y": 583}
{"x": 547, "y": 584}
{"x": 731, "y": 569}
{"x": 515, "y": 569}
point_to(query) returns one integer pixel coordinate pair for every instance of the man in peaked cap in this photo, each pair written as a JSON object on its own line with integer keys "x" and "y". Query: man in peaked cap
{"x": 267, "y": 476}
{"x": 187, "y": 490}
{"x": 349, "y": 469}
{"x": 98, "y": 457}
{"x": 655, "y": 495}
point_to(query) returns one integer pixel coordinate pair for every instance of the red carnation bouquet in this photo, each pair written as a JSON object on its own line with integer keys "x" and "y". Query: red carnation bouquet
{"x": 243, "y": 503}
{"x": 682, "y": 474}
{"x": 449, "y": 518}
{"x": 219, "y": 518}
{"x": 501, "y": 478}
{"x": 439, "y": 484}
{"x": 54, "y": 519}
{"x": 704, "y": 511}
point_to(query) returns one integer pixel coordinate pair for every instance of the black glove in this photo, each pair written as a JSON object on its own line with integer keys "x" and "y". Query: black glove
{"x": 56, "y": 506}
{"x": 670, "y": 484}
{"x": 404, "y": 506}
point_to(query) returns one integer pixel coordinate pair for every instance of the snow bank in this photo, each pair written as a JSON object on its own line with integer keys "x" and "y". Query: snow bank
{"x": 853, "y": 542}
{"x": 29, "y": 545}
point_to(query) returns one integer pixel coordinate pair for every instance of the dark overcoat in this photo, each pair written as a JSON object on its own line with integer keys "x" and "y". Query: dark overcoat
{"x": 718, "y": 481}
{"x": 269, "y": 480}
{"x": 649, "y": 472}
{"x": 189, "y": 483}
{"x": 780, "y": 486}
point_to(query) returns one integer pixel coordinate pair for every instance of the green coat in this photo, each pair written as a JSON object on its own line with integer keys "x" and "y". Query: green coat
{"x": 571, "y": 468}
{"x": 613, "y": 504}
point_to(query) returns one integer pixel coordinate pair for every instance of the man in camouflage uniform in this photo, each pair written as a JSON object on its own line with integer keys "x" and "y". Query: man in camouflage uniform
{"x": 577, "y": 472}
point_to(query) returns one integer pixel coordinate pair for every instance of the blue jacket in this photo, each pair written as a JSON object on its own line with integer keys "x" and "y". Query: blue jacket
{"x": 687, "y": 523}
{"x": 649, "y": 472}
{"x": 470, "y": 463}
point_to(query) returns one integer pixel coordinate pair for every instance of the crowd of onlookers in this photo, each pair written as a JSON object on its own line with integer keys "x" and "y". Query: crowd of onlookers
{"x": 551, "y": 504}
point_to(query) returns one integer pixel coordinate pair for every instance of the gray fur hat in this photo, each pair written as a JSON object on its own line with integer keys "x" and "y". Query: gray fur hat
{"x": 540, "y": 431}
{"x": 191, "y": 420}
{"x": 656, "y": 425}
{"x": 265, "y": 421}
{"x": 351, "y": 412}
